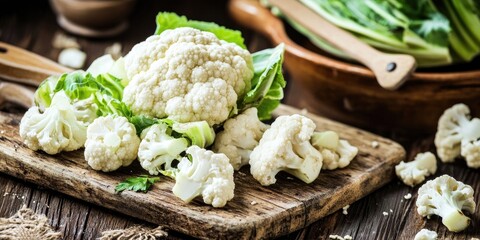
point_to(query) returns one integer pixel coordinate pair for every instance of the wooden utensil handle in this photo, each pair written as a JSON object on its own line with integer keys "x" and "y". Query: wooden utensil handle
{"x": 15, "y": 93}
{"x": 335, "y": 36}
{"x": 25, "y": 67}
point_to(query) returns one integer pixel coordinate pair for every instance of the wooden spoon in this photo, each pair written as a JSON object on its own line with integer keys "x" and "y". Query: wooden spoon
{"x": 25, "y": 67}
{"x": 391, "y": 70}
{"x": 15, "y": 93}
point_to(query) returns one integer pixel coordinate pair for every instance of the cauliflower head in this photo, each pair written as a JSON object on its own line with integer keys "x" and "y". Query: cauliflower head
{"x": 207, "y": 174}
{"x": 158, "y": 149}
{"x": 111, "y": 143}
{"x": 426, "y": 234}
{"x": 414, "y": 172}
{"x": 336, "y": 153}
{"x": 54, "y": 130}
{"x": 239, "y": 137}
{"x": 446, "y": 197}
{"x": 455, "y": 127}
{"x": 188, "y": 75}
{"x": 286, "y": 146}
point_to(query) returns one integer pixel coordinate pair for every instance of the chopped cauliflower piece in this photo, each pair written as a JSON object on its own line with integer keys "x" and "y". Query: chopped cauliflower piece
{"x": 207, "y": 174}
{"x": 426, "y": 234}
{"x": 239, "y": 137}
{"x": 54, "y": 130}
{"x": 414, "y": 172}
{"x": 336, "y": 153}
{"x": 72, "y": 57}
{"x": 457, "y": 135}
{"x": 188, "y": 75}
{"x": 286, "y": 146}
{"x": 446, "y": 197}
{"x": 111, "y": 143}
{"x": 158, "y": 149}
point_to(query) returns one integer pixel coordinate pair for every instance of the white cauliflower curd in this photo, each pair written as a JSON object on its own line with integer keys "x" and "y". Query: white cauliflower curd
{"x": 336, "y": 152}
{"x": 205, "y": 174}
{"x": 457, "y": 135}
{"x": 446, "y": 197}
{"x": 187, "y": 75}
{"x": 286, "y": 146}
{"x": 111, "y": 143}
{"x": 239, "y": 137}
{"x": 414, "y": 172}
{"x": 54, "y": 130}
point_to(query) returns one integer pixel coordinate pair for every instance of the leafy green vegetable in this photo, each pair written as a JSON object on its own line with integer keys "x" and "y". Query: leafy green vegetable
{"x": 167, "y": 20}
{"x": 267, "y": 82}
{"x": 141, "y": 183}
{"x": 108, "y": 105}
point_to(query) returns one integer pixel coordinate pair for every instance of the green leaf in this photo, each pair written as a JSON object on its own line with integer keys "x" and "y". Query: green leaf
{"x": 141, "y": 122}
{"x": 166, "y": 20}
{"x": 267, "y": 83}
{"x": 141, "y": 183}
{"x": 44, "y": 93}
{"x": 107, "y": 105}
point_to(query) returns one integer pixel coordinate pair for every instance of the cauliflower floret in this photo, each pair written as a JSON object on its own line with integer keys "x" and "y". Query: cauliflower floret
{"x": 170, "y": 72}
{"x": 239, "y": 137}
{"x": 471, "y": 152}
{"x": 207, "y": 174}
{"x": 426, "y": 234}
{"x": 414, "y": 172}
{"x": 158, "y": 149}
{"x": 446, "y": 197}
{"x": 56, "y": 129}
{"x": 455, "y": 126}
{"x": 112, "y": 142}
{"x": 286, "y": 146}
{"x": 336, "y": 153}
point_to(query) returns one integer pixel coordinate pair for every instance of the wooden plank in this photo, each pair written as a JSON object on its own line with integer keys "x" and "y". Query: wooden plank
{"x": 282, "y": 208}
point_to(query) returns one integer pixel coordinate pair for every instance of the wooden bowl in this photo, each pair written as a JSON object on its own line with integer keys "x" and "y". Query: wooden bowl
{"x": 349, "y": 93}
{"x": 93, "y": 18}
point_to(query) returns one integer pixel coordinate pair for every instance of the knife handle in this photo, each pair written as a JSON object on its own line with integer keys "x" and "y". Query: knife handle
{"x": 21, "y": 66}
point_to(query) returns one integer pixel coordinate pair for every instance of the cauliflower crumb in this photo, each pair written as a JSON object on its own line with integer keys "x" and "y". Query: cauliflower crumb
{"x": 115, "y": 50}
{"x": 2, "y": 132}
{"x": 253, "y": 203}
{"x": 348, "y": 237}
{"x": 375, "y": 144}
{"x": 408, "y": 196}
{"x": 345, "y": 210}
{"x": 385, "y": 213}
{"x": 5, "y": 194}
{"x": 391, "y": 210}
{"x": 304, "y": 112}
{"x": 61, "y": 41}
{"x": 336, "y": 237}
{"x": 72, "y": 57}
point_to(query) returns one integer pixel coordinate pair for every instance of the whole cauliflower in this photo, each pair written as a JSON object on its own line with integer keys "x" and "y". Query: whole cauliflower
{"x": 239, "y": 137}
{"x": 414, "y": 172}
{"x": 188, "y": 75}
{"x": 286, "y": 146}
{"x": 336, "y": 153}
{"x": 158, "y": 149}
{"x": 457, "y": 135}
{"x": 446, "y": 197}
{"x": 207, "y": 174}
{"x": 111, "y": 143}
{"x": 56, "y": 129}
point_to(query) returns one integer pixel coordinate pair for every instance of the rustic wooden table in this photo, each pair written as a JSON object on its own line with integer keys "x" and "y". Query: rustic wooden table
{"x": 31, "y": 25}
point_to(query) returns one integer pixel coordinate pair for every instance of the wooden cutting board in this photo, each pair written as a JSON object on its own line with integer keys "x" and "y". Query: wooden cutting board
{"x": 255, "y": 212}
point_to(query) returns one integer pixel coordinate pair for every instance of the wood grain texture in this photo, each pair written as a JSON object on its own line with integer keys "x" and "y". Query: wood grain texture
{"x": 287, "y": 206}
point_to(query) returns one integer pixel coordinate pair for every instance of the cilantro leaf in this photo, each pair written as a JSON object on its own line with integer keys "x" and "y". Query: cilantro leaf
{"x": 141, "y": 183}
